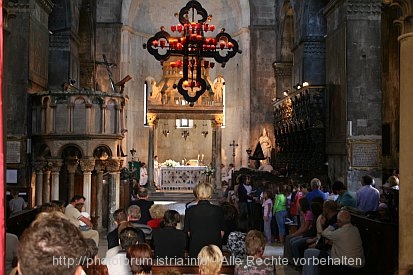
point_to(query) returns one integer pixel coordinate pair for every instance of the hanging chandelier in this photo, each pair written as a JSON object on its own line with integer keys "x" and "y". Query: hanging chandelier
{"x": 192, "y": 46}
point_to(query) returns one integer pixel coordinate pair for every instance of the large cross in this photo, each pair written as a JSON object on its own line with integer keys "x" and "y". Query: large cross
{"x": 234, "y": 145}
{"x": 108, "y": 66}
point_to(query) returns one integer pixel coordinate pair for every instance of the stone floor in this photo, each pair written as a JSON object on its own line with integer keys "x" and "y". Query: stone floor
{"x": 177, "y": 202}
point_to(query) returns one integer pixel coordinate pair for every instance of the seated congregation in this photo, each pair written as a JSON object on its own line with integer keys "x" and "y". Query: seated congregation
{"x": 227, "y": 237}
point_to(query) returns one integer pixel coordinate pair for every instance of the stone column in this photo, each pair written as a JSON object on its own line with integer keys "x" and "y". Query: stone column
{"x": 46, "y": 184}
{"x": 57, "y": 164}
{"x": 99, "y": 167}
{"x": 43, "y": 112}
{"x": 71, "y": 165}
{"x": 38, "y": 166}
{"x": 88, "y": 115}
{"x": 51, "y": 118}
{"x": 87, "y": 166}
{"x": 152, "y": 121}
{"x": 113, "y": 166}
{"x": 117, "y": 119}
{"x": 102, "y": 120}
{"x": 218, "y": 123}
{"x": 406, "y": 151}
{"x": 70, "y": 107}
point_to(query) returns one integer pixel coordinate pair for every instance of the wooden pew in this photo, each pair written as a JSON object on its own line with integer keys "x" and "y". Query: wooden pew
{"x": 189, "y": 269}
{"x": 380, "y": 244}
{"x": 17, "y": 223}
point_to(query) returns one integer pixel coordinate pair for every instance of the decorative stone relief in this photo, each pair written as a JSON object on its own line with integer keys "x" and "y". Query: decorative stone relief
{"x": 282, "y": 69}
{"x": 364, "y": 7}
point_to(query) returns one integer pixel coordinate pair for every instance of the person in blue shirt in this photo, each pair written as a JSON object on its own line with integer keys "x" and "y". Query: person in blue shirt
{"x": 315, "y": 191}
{"x": 367, "y": 196}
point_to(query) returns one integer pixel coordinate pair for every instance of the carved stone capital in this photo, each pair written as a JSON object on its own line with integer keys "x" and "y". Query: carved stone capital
{"x": 100, "y": 165}
{"x": 152, "y": 118}
{"x": 39, "y": 165}
{"x": 56, "y": 164}
{"x": 219, "y": 120}
{"x": 71, "y": 165}
{"x": 87, "y": 165}
{"x": 113, "y": 165}
{"x": 405, "y": 14}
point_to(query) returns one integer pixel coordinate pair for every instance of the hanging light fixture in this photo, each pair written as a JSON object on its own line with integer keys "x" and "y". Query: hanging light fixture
{"x": 193, "y": 47}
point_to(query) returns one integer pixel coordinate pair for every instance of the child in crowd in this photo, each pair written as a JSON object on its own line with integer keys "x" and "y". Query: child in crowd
{"x": 267, "y": 214}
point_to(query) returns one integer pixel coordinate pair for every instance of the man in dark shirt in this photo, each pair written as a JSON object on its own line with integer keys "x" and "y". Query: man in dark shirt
{"x": 144, "y": 205}
{"x": 167, "y": 240}
{"x": 119, "y": 217}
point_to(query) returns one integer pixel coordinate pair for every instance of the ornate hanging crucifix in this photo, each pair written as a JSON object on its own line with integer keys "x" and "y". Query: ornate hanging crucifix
{"x": 108, "y": 67}
{"x": 234, "y": 145}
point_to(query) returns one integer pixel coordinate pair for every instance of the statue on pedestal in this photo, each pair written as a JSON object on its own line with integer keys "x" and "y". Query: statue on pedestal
{"x": 266, "y": 145}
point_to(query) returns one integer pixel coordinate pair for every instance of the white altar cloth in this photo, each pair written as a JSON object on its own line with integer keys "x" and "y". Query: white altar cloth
{"x": 181, "y": 178}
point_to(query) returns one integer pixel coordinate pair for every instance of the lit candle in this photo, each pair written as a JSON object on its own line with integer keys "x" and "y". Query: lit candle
{"x": 198, "y": 156}
{"x": 202, "y": 157}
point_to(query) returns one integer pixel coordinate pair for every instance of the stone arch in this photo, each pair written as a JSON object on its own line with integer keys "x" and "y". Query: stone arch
{"x": 71, "y": 150}
{"x": 43, "y": 152}
{"x": 102, "y": 152}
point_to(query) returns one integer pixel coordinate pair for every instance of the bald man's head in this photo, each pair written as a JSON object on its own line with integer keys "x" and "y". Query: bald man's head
{"x": 343, "y": 217}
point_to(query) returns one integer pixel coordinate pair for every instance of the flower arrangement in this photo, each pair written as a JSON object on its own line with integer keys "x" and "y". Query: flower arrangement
{"x": 209, "y": 171}
{"x": 170, "y": 163}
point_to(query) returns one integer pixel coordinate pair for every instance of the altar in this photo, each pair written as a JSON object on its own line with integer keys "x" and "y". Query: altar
{"x": 181, "y": 178}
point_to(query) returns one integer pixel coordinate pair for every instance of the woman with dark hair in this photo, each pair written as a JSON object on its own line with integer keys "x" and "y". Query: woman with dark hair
{"x": 307, "y": 219}
{"x": 140, "y": 258}
{"x": 230, "y": 220}
{"x": 167, "y": 240}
